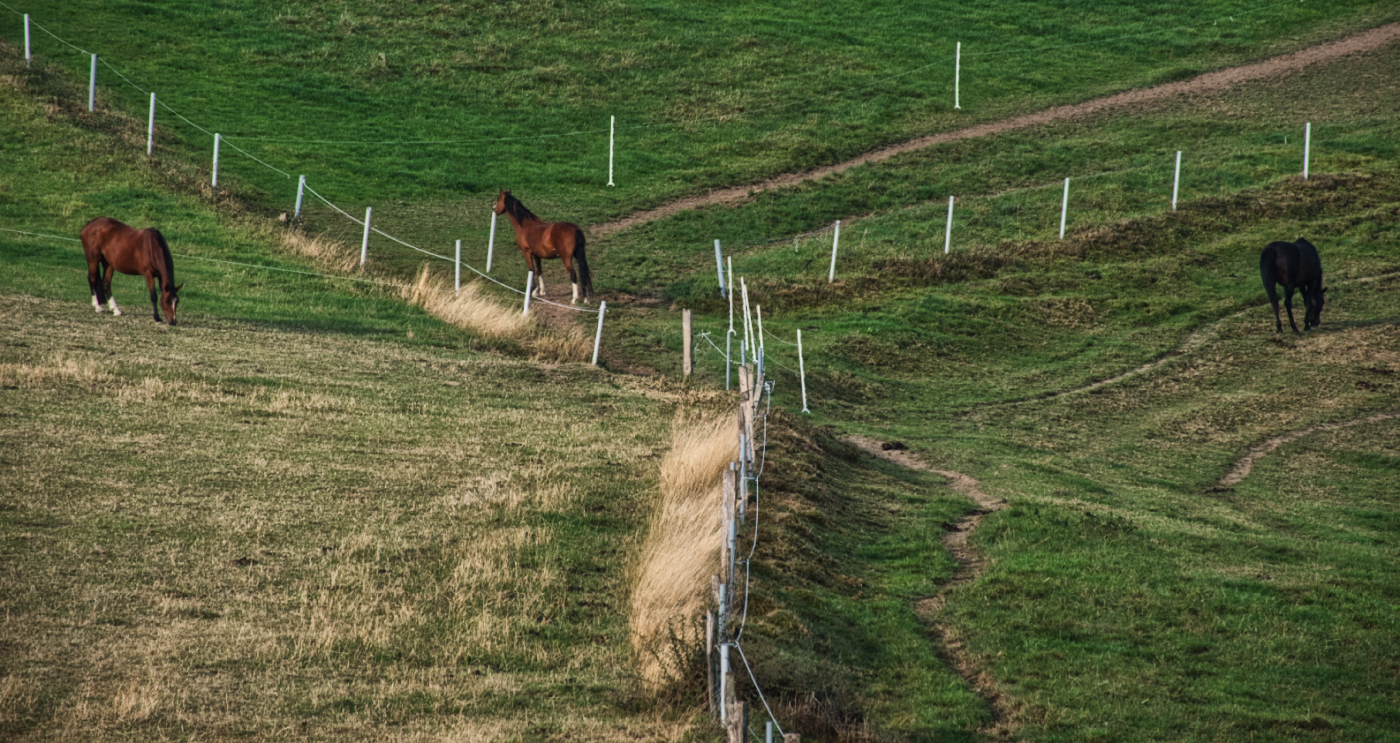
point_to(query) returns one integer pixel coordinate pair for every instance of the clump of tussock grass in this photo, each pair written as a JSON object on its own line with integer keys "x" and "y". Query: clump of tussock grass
{"x": 681, "y": 550}
{"x": 323, "y": 251}
{"x": 470, "y": 309}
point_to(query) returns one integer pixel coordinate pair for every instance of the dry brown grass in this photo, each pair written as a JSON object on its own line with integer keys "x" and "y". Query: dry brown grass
{"x": 470, "y": 309}
{"x": 681, "y": 550}
{"x": 323, "y": 251}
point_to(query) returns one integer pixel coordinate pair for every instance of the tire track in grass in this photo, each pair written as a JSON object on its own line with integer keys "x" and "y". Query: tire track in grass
{"x": 970, "y": 566}
{"x": 1286, "y": 64}
{"x": 1244, "y": 465}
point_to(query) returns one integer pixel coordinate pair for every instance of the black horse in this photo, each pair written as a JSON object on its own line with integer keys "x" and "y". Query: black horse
{"x": 1296, "y": 266}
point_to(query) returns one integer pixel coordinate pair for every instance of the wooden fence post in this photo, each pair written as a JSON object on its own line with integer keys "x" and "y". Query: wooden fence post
{"x": 687, "y": 336}
{"x": 710, "y": 660}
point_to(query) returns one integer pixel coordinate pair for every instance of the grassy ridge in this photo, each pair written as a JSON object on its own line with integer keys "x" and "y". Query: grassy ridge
{"x": 706, "y": 96}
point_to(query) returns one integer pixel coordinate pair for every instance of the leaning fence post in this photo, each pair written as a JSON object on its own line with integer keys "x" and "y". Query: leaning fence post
{"x": 28, "y": 55}
{"x": 1307, "y": 146}
{"x": 364, "y": 244}
{"x": 687, "y": 362}
{"x": 719, "y": 266}
{"x": 151, "y": 126}
{"x": 491, "y": 242}
{"x": 598, "y": 339}
{"x": 457, "y": 279}
{"x": 728, "y": 344}
{"x": 529, "y": 287}
{"x": 802, "y": 372}
{"x": 1176, "y": 180}
{"x": 301, "y": 191}
{"x": 1064, "y": 209}
{"x": 92, "y": 86}
{"x": 835, "y": 240}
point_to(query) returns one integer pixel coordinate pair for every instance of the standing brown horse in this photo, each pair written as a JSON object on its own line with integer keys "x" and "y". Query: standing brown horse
{"x": 111, "y": 245}
{"x": 539, "y": 239}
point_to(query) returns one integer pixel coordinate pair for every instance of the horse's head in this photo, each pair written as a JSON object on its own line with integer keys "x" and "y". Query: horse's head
{"x": 1314, "y": 302}
{"x": 501, "y": 201}
{"x": 169, "y": 301}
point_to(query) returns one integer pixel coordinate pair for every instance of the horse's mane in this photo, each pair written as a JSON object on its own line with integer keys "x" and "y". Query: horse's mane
{"x": 518, "y": 210}
{"x": 167, "y": 264}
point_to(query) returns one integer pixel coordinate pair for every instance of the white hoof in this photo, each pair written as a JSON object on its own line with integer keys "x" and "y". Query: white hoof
{"x": 117, "y": 312}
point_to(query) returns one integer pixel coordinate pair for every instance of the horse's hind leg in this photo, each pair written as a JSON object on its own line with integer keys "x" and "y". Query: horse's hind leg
{"x": 573, "y": 277}
{"x": 539, "y": 275}
{"x": 95, "y": 286}
{"x": 107, "y": 287}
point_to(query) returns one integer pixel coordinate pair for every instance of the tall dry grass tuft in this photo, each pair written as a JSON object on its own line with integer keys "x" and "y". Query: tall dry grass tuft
{"x": 472, "y": 310}
{"x": 322, "y": 250}
{"x": 681, "y": 550}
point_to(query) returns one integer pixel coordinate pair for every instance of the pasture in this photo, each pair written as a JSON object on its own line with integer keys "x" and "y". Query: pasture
{"x": 313, "y": 510}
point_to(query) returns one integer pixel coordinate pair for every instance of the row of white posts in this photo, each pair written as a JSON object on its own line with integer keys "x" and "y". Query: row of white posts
{"x": 750, "y": 342}
{"x": 1064, "y": 209}
{"x": 727, "y": 709}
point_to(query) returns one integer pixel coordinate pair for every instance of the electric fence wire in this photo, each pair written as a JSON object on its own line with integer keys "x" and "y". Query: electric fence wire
{"x": 226, "y": 138}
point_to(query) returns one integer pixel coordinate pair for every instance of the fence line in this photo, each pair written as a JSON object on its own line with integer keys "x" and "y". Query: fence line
{"x": 749, "y": 111}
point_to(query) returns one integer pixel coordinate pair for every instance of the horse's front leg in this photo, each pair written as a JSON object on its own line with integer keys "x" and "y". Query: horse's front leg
{"x": 155, "y": 298}
{"x": 1288, "y": 305}
{"x": 107, "y": 287}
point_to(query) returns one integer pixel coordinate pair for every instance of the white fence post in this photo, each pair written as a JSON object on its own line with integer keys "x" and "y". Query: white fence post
{"x": 529, "y": 287}
{"x": 151, "y": 126}
{"x": 215, "y": 183}
{"x": 759, "y": 315}
{"x": 1064, "y": 209}
{"x": 598, "y": 339}
{"x": 491, "y": 242}
{"x": 957, "y": 77}
{"x": 364, "y": 244}
{"x": 92, "y": 86}
{"x": 1307, "y": 147}
{"x": 835, "y": 241}
{"x": 730, "y": 262}
{"x": 1176, "y": 180}
{"x": 719, "y": 266}
{"x": 612, "y": 133}
{"x": 28, "y": 55}
{"x": 301, "y": 191}
{"x": 948, "y": 231}
{"x": 458, "y": 280}
{"x": 802, "y": 371}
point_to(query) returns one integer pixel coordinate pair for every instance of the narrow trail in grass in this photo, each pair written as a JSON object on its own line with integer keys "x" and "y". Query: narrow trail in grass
{"x": 1209, "y": 82}
{"x": 1194, "y": 341}
{"x": 1245, "y": 465}
{"x": 970, "y": 566}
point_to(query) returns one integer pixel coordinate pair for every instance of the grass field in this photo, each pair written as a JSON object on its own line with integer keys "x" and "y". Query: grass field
{"x": 314, "y": 510}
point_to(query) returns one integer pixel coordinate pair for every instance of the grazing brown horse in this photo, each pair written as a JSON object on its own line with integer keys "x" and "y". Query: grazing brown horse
{"x": 539, "y": 239}
{"x": 1296, "y": 265}
{"x": 111, "y": 245}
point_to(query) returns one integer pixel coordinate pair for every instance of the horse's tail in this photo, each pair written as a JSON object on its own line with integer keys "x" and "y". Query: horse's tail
{"x": 585, "y": 277}
{"x": 167, "y": 264}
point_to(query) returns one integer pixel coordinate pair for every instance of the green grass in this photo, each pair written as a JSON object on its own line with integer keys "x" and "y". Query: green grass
{"x": 307, "y": 541}
{"x": 705, "y": 96}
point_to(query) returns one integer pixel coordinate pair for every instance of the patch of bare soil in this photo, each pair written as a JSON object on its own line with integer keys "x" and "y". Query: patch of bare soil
{"x": 1245, "y": 464}
{"x": 971, "y": 565}
{"x": 1210, "y": 82}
